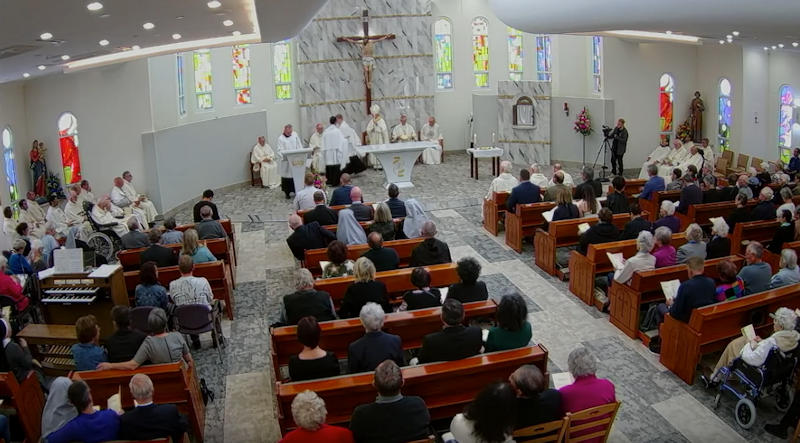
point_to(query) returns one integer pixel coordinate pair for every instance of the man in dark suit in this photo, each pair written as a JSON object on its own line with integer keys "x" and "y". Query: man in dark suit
{"x": 602, "y": 232}
{"x": 321, "y": 213}
{"x": 618, "y": 146}
{"x": 690, "y": 194}
{"x": 341, "y": 195}
{"x": 696, "y": 292}
{"x": 361, "y": 211}
{"x": 654, "y": 184}
{"x": 208, "y": 195}
{"x": 384, "y": 259}
{"x": 366, "y": 353}
{"x": 148, "y": 421}
{"x": 636, "y": 225}
{"x": 710, "y": 192}
{"x": 525, "y": 192}
{"x": 587, "y": 173}
{"x": 794, "y": 164}
{"x": 310, "y": 236}
{"x": 157, "y": 253}
{"x": 617, "y": 201}
{"x": 392, "y": 417}
{"x": 455, "y": 341}
{"x": 396, "y": 206}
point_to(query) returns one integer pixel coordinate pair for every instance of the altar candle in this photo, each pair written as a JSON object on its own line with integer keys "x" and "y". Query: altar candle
{"x": 492, "y": 138}
{"x": 474, "y": 138}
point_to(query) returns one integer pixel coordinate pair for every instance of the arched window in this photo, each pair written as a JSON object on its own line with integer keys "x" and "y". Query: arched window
{"x": 514, "y": 54}
{"x": 282, "y": 70}
{"x": 68, "y": 142}
{"x": 480, "y": 51}
{"x": 597, "y": 64}
{"x": 181, "y": 88}
{"x": 543, "y": 58}
{"x": 241, "y": 74}
{"x": 202, "y": 79}
{"x": 665, "y": 107}
{"x": 725, "y": 115}
{"x": 8, "y": 157}
{"x": 785, "y": 121}
{"x": 443, "y": 45}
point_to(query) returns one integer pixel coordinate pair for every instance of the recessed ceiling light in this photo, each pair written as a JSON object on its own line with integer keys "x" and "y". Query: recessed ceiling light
{"x": 669, "y": 32}
{"x": 729, "y": 36}
{"x": 41, "y": 67}
{"x": 722, "y": 42}
{"x": 228, "y": 22}
{"x": 735, "y": 33}
{"x": 180, "y": 17}
{"x": 103, "y": 42}
{"x": 766, "y": 48}
{"x": 236, "y": 33}
{"x": 46, "y": 36}
{"x": 795, "y": 44}
{"x": 176, "y": 36}
{"x": 136, "y": 47}
{"x": 774, "y": 47}
{"x": 25, "y": 74}
{"x": 214, "y": 4}
{"x": 780, "y": 45}
{"x": 148, "y": 26}
{"x": 65, "y": 57}
{"x": 94, "y": 6}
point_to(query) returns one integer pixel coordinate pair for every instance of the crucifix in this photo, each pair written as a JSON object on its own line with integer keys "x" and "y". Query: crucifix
{"x": 367, "y": 43}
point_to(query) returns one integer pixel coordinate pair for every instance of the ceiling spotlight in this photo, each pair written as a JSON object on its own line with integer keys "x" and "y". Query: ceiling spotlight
{"x": 94, "y": 6}
{"x": 722, "y": 42}
{"x": 735, "y": 33}
{"x": 214, "y": 4}
{"x": 236, "y": 33}
{"x": 46, "y": 36}
{"x": 136, "y": 47}
{"x": 25, "y": 74}
{"x": 148, "y": 26}
{"x": 65, "y": 57}
{"x": 766, "y": 48}
{"x": 795, "y": 44}
{"x": 728, "y": 36}
{"x": 669, "y": 32}
{"x": 103, "y": 42}
{"x": 176, "y": 36}
{"x": 780, "y": 45}
{"x": 774, "y": 47}
{"x": 228, "y": 22}
{"x": 41, "y": 67}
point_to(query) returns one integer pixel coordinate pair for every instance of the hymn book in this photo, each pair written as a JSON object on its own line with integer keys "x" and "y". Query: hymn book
{"x": 583, "y": 227}
{"x": 749, "y": 332}
{"x": 616, "y": 259}
{"x": 670, "y": 288}
{"x": 548, "y": 215}
{"x": 115, "y": 403}
{"x": 561, "y": 379}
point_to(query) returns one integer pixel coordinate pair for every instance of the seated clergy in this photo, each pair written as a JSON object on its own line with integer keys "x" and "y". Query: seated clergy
{"x": 120, "y": 199}
{"x": 455, "y": 341}
{"x": 676, "y": 155}
{"x": 35, "y": 210}
{"x": 376, "y": 346}
{"x": 525, "y": 192}
{"x": 403, "y": 132}
{"x": 310, "y": 236}
{"x": 265, "y": 162}
{"x": 568, "y": 181}
{"x": 147, "y": 420}
{"x": 537, "y": 178}
{"x": 139, "y": 201}
{"x": 134, "y": 238}
{"x": 321, "y": 213}
{"x": 656, "y": 156}
{"x": 504, "y": 182}
{"x": 432, "y": 251}
{"x": 430, "y": 133}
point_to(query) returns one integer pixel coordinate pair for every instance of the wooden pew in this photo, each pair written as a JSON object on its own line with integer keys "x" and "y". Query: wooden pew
{"x": 215, "y": 272}
{"x": 397, "y": 281}
{"x": 366, "y": 225}
{"x": 774, "y": 259}
{"x": 644, "y": 288}
{"x": 227, "y": 226}
{"x": 760, "y": 231}
{"x": 524, "y": 221}
{"x": 584, "y": 268}
{"x": 633, "y": 187}
{"x": 337, "y": 335}
{"x": 703, "y": 213}
{"x": 336, "y": 208}
{"x": 175, "y": 383}
{"x": 653, "y": 204}
{"x": 493, "y": 208}
{"x": 563, "y": 233}
{"x": 445, "y": 386}
{"x": 403, "y": 247}
{"x": 710, "y": 328}
{"x": 28, "y": 401}
{"x": 130, "y": 259}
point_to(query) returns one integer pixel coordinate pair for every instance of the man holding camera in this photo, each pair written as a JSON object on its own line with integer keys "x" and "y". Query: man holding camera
{"x": 618, "y": 146}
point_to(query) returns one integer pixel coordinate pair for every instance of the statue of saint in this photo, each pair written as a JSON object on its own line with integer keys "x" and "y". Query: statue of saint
{"x": 39, "y": 168}
{"x": 696, "y": 109}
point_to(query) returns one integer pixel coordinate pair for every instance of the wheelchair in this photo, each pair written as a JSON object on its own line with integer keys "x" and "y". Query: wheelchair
{"x": 103, "y": 239}
{"x": 749, "y": 384}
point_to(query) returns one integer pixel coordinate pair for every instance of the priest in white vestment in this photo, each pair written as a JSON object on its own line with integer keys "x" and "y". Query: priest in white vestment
{"x": 377, "y": 133}
{"x": 315, "y": 142}
{"x": 504, "y": 182}
{"x": 694, "y": 159}
{"x": 34, "y": 209}
{"x": 334, "y": 147}
{"x": 26, "y": 216}
{"x": 430, "y": 133}
{"x": 101, "y": 214}
{"x": 287, "y": 141}
{"x": 85, "y": 192}
{"x": 139, "y": 201}
{"x": 76, "y": 217}
{"x": 404, "y": 132}
{"x": 677, "y": 154}
{"x": 264, "y": 162}
{"x": 709, "y": 154}
{"x": 354, "y": 163}
{"x": 9, "y": 224}
{"x": 121, "y": 201}
{"x": 56, "y": 215}
{"x": 656, "y": 156}
{"x": 568, "y": 181}
{"x": 537, "y": 178}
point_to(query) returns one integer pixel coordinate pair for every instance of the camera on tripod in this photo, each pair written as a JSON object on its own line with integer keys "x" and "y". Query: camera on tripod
{"x": 607, "y": 131}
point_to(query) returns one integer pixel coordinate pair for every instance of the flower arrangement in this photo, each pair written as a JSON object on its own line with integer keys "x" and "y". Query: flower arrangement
{"x": 583, "y": 124}
{"x": 54, "y": 185}
{"x": 319, "y": 180}
{"x": 684, "y": 131}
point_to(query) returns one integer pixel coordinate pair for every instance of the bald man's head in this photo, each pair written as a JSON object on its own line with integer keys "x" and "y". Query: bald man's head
{"x": 344, "y": 179}
{"x": 295, "y": 221}
{"x": 375, "y": 240}
{"x": 118, "y": 182}
{"x": 355, "y": 194}
{"x": 505, "y": 166}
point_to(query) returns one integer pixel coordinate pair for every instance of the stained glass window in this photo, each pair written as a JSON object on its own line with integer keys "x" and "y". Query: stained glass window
{"x": 725, "y": 115}
{"x": 181, "y": 88}
{"x": 543, "y": 58}
{"x": 514, "y": 54}
{"x": 785, "y": 122}
{"x": 68, "y": 142}
{"x": 443, "y": 45}
{"x": 241, "y": 74}
{"x": 597, "y": 64}
{"x": 8, "y": 157}
{"x": 665, "y": 107}
{"x": 480, "y": 51}
{"x": 202, "y": 79}
{"x": 282, "y": 70}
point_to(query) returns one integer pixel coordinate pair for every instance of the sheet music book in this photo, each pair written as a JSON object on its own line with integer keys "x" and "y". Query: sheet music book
{"x": 561, "y": 379}
{"x": 749, "y": 332}
{"x": 68, "y": 261}
{"x": 583, "y": 227}
{"x": 616, "y": 259}
{"x": 443, "y": 291}
{"x": 104, "y": 271}
{"x": 115, "y": 403}
{"x": 46, "y": 273}
{"x": 670, "y": 288}
{"x": 548, "y": 215}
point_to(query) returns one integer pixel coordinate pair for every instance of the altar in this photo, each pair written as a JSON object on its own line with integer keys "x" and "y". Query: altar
{"x": 397, "y": 159}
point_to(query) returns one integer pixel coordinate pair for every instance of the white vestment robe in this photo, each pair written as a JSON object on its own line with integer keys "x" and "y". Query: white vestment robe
{"x": 693, "y": 159}
{"x": 377, "y": 133}
{"x": 353, "y": 139}
{"x": 122, "y": 202}
{"x": 76, "y": 218}
{"x": 86, "y": 196}
{"x": 315, "y": 142}
{"x": 35, "y": 210}
{"x": 103, "y": 217}
{"x": 146, "y": 206}
{"x": 568, "y": 181}
{"x": 56, "y": 216}
{"x": 404, "y": 133}
{"x": 264, "y": 162}
{"x": 285, "y": 144}
{"x": 504, "y": 182}
{"x": 10, "y": 227}
{"x": 36, "y": 228}
{"x": 654, "y": 158}
{"x": 673, "y": 159}
{"x": 428, "y": 133}
{"x": 334, "y": 146}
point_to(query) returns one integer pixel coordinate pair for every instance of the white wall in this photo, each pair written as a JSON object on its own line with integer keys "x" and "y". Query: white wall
{"x": 755, "y": 96}
{"x": 12, "y": 115}
{"x": 713, "y": 63}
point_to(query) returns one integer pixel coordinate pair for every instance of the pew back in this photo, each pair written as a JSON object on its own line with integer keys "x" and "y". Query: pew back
{"x": 760, "y": 231}
{"x": 403, "y": 248}
{"x": 653, "y": 204}
{"x": 524, "y": 221}
{"x": 493, "y": 207}
{"x": 28, "y": 400}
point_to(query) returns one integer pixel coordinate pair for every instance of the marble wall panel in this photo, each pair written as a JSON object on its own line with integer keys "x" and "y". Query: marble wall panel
{"x": 524, "y": 145}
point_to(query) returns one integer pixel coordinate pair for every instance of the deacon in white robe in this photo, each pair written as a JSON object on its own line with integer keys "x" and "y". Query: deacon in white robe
{"x": 656, "y": 156}
{"x": 139, "y": 201}
{"x": 404, "y": 132}
{"x": 354, "y": 163}
{"x": 26, "y": 216}
{"x": 504, "y": 182}
{"x": 315, "y": 142}
{"x": 122, "y": 202}
{"x": 76, "y": 217}
{"x": 694, "y": 159}
{"x": 677, "y": 154}
{"x": 709, "y": 154}
{"x": 430, "y": 133}
{"x": 102, "y": 214}
{"x": 287, "y": 141}
{"x": 264, "y": 162}
{"x": 334, "y": 146}
{"x": 34, "y": 208}
{"x": 9, "y": 224}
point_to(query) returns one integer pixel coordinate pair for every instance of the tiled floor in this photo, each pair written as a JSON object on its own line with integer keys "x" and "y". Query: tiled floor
{"x": 656, "y": 405}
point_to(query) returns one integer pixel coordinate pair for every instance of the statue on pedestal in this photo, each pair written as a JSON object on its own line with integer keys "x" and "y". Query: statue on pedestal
{"x": 696, "y": 109}
{"x": 39, "y": 168}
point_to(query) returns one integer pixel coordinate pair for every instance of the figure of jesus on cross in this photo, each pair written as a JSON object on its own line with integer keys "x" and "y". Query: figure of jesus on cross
{"x": 367, "y": 43}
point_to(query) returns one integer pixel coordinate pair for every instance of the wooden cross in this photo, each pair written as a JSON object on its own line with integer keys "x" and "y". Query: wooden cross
{"x": 367, "y": 50}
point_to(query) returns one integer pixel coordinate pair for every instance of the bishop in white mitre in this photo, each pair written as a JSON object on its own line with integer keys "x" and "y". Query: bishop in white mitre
{"x": 139, "y": 201}
{"x": 287, "y": 141}
{"x": 676, "y": 155}
{"x": 315, "y": 142}
{"x": 120, "y": 200}
{"x": 264, "y": 162}
{"x": 34, "y": 209}
{"x": 102, "y": 214}
{"x": 430, "y": 133}
{"x": 656, "y": 156}
{"x": 403, "y": 132}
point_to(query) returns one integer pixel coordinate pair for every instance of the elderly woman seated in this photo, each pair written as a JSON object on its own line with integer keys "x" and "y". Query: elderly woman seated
{"x": 789, "y": 273}
{"x": 695, "y": 246}
{"x": 366, "y": 353}
{"x": 306, "y": 300}
{"x": 312, "y": 362}
{"x": 731, "y": 285}
{"x": 663, "y": 251}
{"x": 719, "y": 245}
{"x": 754, "y": 352}
{"x": 587, "y": 391}
{"x": 668, "y": 217}
{"x": 309, "y": 413}
{"x": 641, "y": 261}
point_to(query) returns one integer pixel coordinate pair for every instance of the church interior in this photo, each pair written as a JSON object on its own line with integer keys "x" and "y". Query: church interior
{"x": 443, "y": 99}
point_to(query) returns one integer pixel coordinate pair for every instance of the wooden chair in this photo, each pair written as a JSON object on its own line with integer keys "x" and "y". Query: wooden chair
{"x": 756, "y": 163}
{"x": 551, "y": 432}
{"x": 493, "y": 209}
{"x": 583, "y": 425}
{"x": 255, "y": 176}
{"x": 741, "y": 164}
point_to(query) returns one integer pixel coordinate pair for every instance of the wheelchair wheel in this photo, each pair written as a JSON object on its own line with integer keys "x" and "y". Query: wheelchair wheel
{"x": 716, "y": 398}
{"x": 102, "y": 245}
{"x": 783, "y": 398}
{"x": 745, "y": 413}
